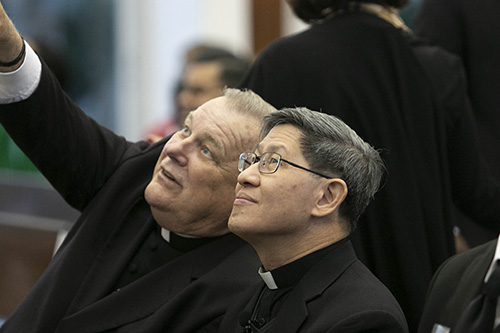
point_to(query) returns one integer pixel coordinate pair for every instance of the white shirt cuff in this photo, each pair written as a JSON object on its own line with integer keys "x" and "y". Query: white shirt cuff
{"x": 20, "y": 84}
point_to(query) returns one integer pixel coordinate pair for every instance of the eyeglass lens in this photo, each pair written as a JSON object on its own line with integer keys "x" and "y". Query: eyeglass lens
{"x": 268, "y": 162}
{"x": 246, "y": 160}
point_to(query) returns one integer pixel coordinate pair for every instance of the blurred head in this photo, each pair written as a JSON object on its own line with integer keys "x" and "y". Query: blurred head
{"x": 311, "y": 11}
{"x": 192, "y": 188}
{"x": 205, "y": 76}
{"x": 343, "y": 173}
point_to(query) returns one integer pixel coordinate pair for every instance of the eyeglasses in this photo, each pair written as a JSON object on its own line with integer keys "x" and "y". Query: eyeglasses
{"x": 268, "y": 163}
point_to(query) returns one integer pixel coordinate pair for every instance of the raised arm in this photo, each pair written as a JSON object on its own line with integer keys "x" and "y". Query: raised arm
{"x": 72, "y": 151}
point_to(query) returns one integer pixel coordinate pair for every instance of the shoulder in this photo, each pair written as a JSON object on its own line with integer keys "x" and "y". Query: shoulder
{"x": 439, "y": 64}
{"x": 457, "y": 264}
{"x": 434, "y": 53}
{"x": 357, "y": 301}
{"x": 369, "y": 290}
{"x": 354, "y": 299}
{"x": 454, "y": 284}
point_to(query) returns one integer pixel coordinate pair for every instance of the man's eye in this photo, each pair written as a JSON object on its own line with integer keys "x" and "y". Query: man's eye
{"x": 207, "y": 152}
{"x": 185, "y": 130}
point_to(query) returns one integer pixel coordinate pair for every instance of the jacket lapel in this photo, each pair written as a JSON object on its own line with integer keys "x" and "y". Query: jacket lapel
{"x": 113, "y": 257}
{"x": 469, "y": 285}
{"x": 294, "y": 311}
{"x": 141, "y": 298}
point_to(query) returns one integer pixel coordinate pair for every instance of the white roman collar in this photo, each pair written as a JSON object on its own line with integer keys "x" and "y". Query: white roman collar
{"x": 166, "y": 235}
{"x": 490, "y": 271}
{"x": 268, "y": 279}
{"x": 495, "y": 258}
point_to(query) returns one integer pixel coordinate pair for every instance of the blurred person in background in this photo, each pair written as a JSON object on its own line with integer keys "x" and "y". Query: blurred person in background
{"x": 464, "y": 292}
{"x": 471, "y": 30}
{"x": 208, "y": 69}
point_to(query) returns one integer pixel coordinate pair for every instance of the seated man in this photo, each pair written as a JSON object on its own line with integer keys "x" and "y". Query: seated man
{"x": 463, "y": 294}
{"x": 297, "y": 200}
{"x": 151, "y": 250}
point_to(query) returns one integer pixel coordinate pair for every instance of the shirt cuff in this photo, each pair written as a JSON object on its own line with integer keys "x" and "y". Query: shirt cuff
{"x": 20, "y": 84}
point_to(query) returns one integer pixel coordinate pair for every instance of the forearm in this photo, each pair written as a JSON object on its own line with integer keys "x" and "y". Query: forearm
{"x": 71, "y": 150}
{"x": 11, "y": 42}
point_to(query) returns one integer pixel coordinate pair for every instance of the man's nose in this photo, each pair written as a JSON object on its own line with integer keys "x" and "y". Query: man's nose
{"x": 250, "y": 176}
{"x": 178, "y": 150}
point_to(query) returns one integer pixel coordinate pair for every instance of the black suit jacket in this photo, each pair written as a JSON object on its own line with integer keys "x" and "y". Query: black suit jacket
{"x": 104, "y": 176}
{"x": 470, "y": 29}
{"x": 454, "y": 286}
{"x": 339, "y": 294}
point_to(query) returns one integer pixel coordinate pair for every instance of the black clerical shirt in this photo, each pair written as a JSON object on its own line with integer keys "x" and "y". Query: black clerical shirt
{"x": 274, "y": 293}
{"x": 156, "y": 251}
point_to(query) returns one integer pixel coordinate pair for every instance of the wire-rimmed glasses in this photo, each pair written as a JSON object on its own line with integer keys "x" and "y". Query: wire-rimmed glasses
{"x": 268, "y": 163}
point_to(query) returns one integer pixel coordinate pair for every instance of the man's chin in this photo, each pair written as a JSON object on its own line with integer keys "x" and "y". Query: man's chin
{"x": 235, "y": 227}
{"x": 147, "y": 192}
{"x": 155, "y": 194}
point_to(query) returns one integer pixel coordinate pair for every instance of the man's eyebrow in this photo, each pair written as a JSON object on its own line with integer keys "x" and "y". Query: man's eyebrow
{"x": 273, "y": 148}
{"x": 218, "y": 146}
{"x": 189, "y": 117}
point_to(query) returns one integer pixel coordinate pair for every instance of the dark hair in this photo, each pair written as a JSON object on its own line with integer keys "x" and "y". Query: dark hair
{"x": 232, "y": 71}
{"x": 201, "y": 53}
{"x": 315, "y": 10}
{"x": 232, "y": 67}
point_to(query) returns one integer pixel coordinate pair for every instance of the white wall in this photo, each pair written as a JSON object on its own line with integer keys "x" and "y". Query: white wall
{"x": 152, "y": 36}
{"x": 290, "y": 24}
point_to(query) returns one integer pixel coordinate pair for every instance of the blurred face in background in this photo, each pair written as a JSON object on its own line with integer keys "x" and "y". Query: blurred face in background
{"x": 200, "y": 83}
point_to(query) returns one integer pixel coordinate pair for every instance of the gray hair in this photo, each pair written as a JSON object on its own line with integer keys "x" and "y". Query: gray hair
{"x": 247, "y": 102}
{"x": 333, "y": 148}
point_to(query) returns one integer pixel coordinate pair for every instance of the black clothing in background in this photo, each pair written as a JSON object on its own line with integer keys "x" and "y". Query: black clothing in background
{"x": 408, "y": 100}
{"x": 455, "y": 285}
{"x": 471, "y": 30}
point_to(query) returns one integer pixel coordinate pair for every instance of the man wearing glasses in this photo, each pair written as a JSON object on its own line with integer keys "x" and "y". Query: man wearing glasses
{"x": 298, "y": 198}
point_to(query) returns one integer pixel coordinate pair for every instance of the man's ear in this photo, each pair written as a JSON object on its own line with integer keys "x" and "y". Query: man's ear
{"x": 333, "y": 193}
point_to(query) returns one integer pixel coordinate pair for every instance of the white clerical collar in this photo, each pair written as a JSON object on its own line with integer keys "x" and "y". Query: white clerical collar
{"x": 495, "y": 258}
{"x": 268, "y": 279}
{"x": 166, "y": 235}
{"x": 490, "y": 271}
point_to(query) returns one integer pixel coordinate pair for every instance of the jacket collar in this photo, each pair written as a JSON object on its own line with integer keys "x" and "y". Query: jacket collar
{"x": 294, "y": 311}
{"x": 146, "y": 295}
{"x": 469, "y": 284}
